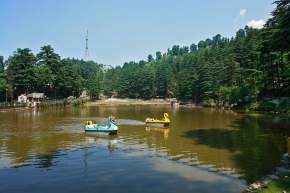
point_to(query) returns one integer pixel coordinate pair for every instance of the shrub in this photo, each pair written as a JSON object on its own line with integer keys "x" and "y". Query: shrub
{"x": 284, "y": 106}
{"x": 267, "y": 106}
{"x": 251, "y": 107}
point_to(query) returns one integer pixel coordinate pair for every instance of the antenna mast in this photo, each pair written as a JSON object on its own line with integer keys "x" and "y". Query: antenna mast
{"x": 87, "y": 54}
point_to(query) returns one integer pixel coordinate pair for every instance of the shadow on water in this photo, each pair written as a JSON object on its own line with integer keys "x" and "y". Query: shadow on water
{"x": 97, "y": 171}
{"x": 46, "y": 160}
{"x": 257, "y": 143}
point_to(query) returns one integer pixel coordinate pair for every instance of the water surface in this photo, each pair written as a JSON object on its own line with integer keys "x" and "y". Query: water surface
{"x": 204, "y": 150}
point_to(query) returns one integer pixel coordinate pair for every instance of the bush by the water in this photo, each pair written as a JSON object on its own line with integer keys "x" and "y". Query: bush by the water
{"x": 267, "y": 106}
{"x": 277, "y": 186}
{"x": 75, "y": 102}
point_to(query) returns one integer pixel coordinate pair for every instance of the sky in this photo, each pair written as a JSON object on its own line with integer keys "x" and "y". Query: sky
{"x": 122, "y": 30}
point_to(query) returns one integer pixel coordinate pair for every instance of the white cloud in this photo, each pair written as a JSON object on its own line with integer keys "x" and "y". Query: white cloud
{"x": 256, "y": 23}
{"x": 243, "y": 12}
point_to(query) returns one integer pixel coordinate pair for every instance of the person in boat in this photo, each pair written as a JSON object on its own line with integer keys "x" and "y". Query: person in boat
{"x": 113, "y": 119}
{"x": 94, "y": 123}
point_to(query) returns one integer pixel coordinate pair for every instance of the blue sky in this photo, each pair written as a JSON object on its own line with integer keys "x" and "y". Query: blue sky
{"x": 121, "y": 30}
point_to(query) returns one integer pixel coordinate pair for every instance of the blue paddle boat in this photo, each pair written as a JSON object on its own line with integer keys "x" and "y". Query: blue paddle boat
{"x": 109, "y": 129}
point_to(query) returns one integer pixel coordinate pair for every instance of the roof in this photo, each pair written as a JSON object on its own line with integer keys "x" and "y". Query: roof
{"x": 36, "y": 95}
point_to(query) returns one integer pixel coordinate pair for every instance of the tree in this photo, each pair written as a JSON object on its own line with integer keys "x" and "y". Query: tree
{"x": 68, "y": 79}
{"x": 279, "y": 26}
{"x": 3, "y": 82}
{"x": 150, "y": 58}
{"x": 216, "y": 40}
{"x": 161, "y": 81}
{"x": 187, "y": 84}
{"x": 43, "y": 78}
{"x": 93, "y": 86}
{"x": 158, "y": 55}
{"x": 47, "y": 57}
{"x": 240, "y": 34}
{"x": 145, "y": 81}
{"x": 20, "y": 70}
{"x": 193, "y": 47}
{"x": 183, "y": 50}
{"x": 201, "y": 44}
{"x": 2, "y": 64}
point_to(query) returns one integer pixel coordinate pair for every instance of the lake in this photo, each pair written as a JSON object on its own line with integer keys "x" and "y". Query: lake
{"x": 204, "y": 150}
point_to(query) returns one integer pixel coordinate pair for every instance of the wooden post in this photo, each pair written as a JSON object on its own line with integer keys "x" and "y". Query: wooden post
{"x": 288, "y": 146}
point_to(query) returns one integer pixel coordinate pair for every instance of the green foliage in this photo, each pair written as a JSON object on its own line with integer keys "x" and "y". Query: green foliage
{"x": 158, "y": 55}
{"x": 251, "y": 106}
{"x": 277, "y": 186}
{"x": 111, "y": 81}
{"x": 150, "y": 58}
{"x": 236, "y": 72}
{"x": 193, "y": 47}
{"x": 3, "y": 82}
{"x": 284, "y": 106}
{"x": 225, "y": 94}
{"x": 136, "y": 82}
{"x": 187, "y": 82}
{"x": 267, "y": 106}
{"x": 20, "y": 70}
{"x": 239, "y": 71}
{"x": 43, "y": 77}
{"x": 2, "y": 65}
{"x": 93, "y": 86}
{"x": 162, "y": 80}
{"x": 145, "y": 80}
{"x": 48, "y": 73}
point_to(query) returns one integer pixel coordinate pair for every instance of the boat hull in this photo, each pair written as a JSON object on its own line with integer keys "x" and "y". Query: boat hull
{"x": 113, "y": 132}
{"x": 157, "y": 122}
{"x": 110, "y": 129}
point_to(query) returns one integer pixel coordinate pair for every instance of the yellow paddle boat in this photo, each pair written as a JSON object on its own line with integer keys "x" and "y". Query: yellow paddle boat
{"x": 165, "y": 121}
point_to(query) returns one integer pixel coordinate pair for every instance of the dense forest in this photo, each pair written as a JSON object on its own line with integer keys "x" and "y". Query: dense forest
{"x": 24, "y": 72}
{"x": 238, "y": 71}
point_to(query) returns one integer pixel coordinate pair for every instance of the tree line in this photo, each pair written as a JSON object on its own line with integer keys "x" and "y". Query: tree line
{"x": 240, "y": 70}
{"x": 24, "y": 72}
{"x": 226, "y": 71}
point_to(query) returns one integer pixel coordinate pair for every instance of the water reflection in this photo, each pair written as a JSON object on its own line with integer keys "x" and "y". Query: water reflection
{"x": 223, "y": 142}
{"x": 164, "y": 131}
{"x": 94, "y": 138}
{"x": 288, "y": 146}
{"x": 255, "y": 147}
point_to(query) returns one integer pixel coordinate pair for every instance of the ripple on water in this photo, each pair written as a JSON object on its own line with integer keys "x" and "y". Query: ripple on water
{"x": 201, "y": 141}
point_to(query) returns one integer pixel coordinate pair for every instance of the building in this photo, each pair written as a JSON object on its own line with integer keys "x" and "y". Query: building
{"x": 22, "y": 98}
{"x": 35, "y": 97}
{"x": 106, "y": 67}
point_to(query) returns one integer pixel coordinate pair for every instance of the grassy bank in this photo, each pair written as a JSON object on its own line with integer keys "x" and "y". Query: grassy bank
{"x": 277, "y": 186}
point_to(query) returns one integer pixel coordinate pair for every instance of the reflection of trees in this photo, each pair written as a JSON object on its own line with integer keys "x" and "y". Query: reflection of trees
{"x": 29, "y": 134}
{"x": 22, "y": 148}
{"x": 288, "y": 147}
{"x": 247, "y": 145}
{"x": 256, "y": 146}
{"x": 45, "y": 161}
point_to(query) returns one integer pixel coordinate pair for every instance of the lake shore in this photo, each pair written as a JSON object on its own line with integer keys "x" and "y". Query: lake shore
{"x": 118, "y": 101}
{"x": 176, "y": 103}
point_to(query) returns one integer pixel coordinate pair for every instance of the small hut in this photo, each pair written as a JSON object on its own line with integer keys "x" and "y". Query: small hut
{"x": 35, "y": 97}
{"x": 22, "y": 98}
